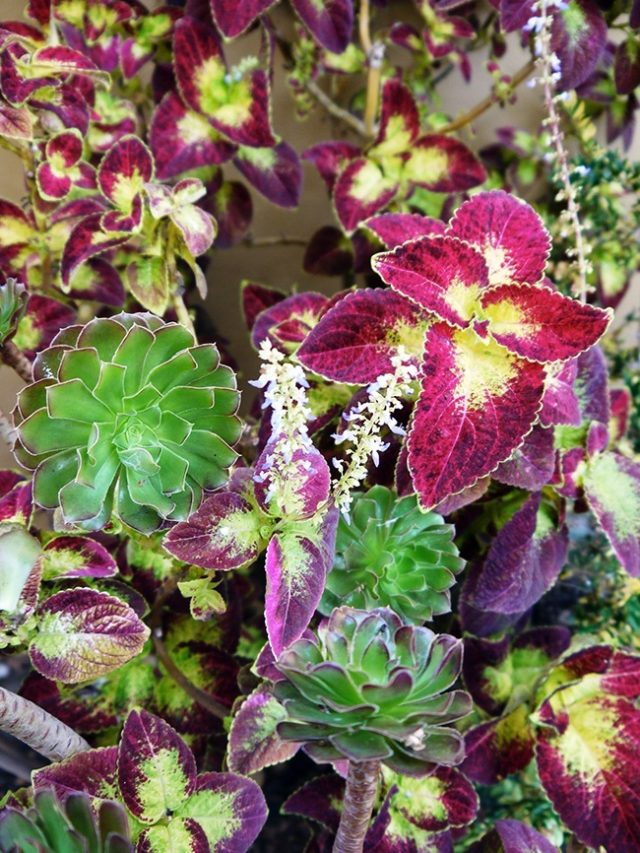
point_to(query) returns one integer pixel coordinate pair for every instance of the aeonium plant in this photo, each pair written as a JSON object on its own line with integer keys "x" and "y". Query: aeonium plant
{"x": 389, "y": 601}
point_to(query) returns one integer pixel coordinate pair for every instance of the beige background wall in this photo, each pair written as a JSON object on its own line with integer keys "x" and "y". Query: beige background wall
{"x": 282, "y": 266}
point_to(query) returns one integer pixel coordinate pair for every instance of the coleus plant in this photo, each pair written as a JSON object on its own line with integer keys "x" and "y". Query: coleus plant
{"x": 413, "y": 560}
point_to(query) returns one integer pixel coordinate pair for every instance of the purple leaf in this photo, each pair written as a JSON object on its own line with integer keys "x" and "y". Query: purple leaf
{"x": 253, "y": 740}
{"x": 93, "y": 772}
{"x": 319, "y": 800}
{"x": 560, "y": 404}
{"x": 578, "y": 38}
{"x": 77, "y": 557}
{"x": 512, "y": 836}
{"x": 394, "y": 229}
{"x": 499, "y": 747}
{"x": 301, "y": 491}
{"x": 275, "y": 172}
{"x": 233, "y": 18}
{"x": 531, "y": 466}
{"x": 289, "y": 320}
{"x": 256, "y": 298}
{"x": 86, "y": 240}
{"x": 330, "y": 23}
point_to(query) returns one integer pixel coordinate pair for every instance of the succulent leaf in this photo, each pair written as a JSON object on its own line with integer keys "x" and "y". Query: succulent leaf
{"x": 129, "y": 418}
{"x": 13, "y": 304}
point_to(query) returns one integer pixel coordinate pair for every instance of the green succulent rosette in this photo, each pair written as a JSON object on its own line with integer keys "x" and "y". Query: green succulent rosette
{"x": 13, "y": 304}
{"x": 391, "y": 554}
{"x": 130, "y": 418}
{"x": 370, "y": 688}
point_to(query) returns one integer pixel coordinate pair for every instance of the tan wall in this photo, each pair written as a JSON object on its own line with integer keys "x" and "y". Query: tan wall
{"x": 282, "y": 266}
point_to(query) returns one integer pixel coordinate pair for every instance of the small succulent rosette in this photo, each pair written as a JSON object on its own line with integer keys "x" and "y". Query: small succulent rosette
{"x": 370, "y": 688}
{"x": 128, "y": 418}
{"x": 13, "y": 304}
{"x": 391, "y": 554}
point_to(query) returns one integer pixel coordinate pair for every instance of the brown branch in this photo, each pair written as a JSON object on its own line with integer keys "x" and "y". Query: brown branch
{"x": 37, "y": 728}
{"x": 336, "y": 111}
{"x": 362, "y": 783}
{"x": 16, "y": 359}
{"x": 486, "y": 104}
{"x": 267, "y": 242}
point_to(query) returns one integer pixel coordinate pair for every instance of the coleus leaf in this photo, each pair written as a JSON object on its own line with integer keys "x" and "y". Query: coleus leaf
{"x": 288, "y": 322}
{"x": 182, "y": 140}
{"x": 253, "y": 740}
{"x": 532, "y": 464}
{"x": 560, "y": 404}
{"x": 356, "y": 340}
{"x": 256, "y": 298}
{"x": 499, "y": 747}
{"x": 83, "y": 633}
{"x": 76, "y": 557}
{"x": 588, "y": 731}
{"x": 320, "y": 800}
{"x": 436, "y": 802}
{"x": 329, "y": 158}
{"x": 578, "y": 38}
{"x": 620, "y": 404}
{"x": 523, "y": 562}
{"x": 156, "y": 769}
{"x": 16, "y": 499}
{"x": 148, "y": 280}
{"x": 233, "y": 19}
{"x": 361, "y": 190}
{"x": 274, "y": 171}
{"x": 397, "y": 228}
{"x": 124, "y": 170}
{"x": 93, "y": 772}
{"x": 612, "y": 488}
{"x": 231, "y": 205}
{"x": 328, "y": 252}
{"x": 300, "y": 493}
{"x": 85, "y": 241}
{"x": 16, "y": 122}
{"x": 442, "y": 164}
{"x": 297, "y": 561}
{"x": 477, "y": 403}
{"x": 225, "y": 533}
{"x": 238, "y": 108}
{"x": 513, "y": 836}
{"x": 330, "y": 23}
{"x": 19, "y": 553}
{"x": 507, "y": 232}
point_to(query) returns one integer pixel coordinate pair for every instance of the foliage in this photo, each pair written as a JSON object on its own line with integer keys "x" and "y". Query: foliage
{"x": 415, "y": 558}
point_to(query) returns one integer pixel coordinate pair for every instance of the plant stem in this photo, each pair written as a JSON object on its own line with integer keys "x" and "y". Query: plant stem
{"x": 374, "y": 52}
{"x": 336, "y": 111}
{"x": 486, "y": 104}
{"x": 37, "y": 728}
{"x": 7, "y": 432}
{"x": 362, "y": 783}
{"x": 13, "y": 357}
{"x": 182, "y": 313}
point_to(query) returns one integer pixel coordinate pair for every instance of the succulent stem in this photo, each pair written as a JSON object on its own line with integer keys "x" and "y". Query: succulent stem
{"x": 37, "y": 728}
{"x": 17, "y": 360}
{"x": 362, "y": 783}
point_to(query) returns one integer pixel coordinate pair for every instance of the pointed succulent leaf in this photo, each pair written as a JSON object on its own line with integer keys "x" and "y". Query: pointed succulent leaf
{"x": 532, "y": 464}
{"x": 442, "y": 164}
{"x": 394, "y": 229}
{"x": 232, "y": 20}
{"x": 478, "y": 402}
{"x": 578, "y": 38}
{"x": 513, "y": 836}
{"x": 225, "y": 533}
{"x": 274, "y": 171}
{"x": 329, "y": 23}
{"x": 156, "y": 769}
{"x": 182, "y": 139}
{"x": 76, "y": 557}
{"x": 297, "y": 563}
{"x": 586, "y": 731}
{"x": 230, "y": 810}
{"x": 612, "y": 488}
{"x": 523, "y": 562}
{"x": 509, "y": 234}
{"x": 540, "y": 324}
{"x": 499, "y": 747}
{"x": 356, "y": 340}
{"x": 83, "y": 633}
{"x": 441, "y": 274}
{"x": 253, "y": 740}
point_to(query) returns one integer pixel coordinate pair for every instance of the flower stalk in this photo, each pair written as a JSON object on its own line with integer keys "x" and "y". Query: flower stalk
{"x": 362, "y": 784}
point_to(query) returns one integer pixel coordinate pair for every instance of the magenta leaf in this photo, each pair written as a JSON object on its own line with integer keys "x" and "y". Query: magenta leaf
{"x": 356, "y": 340}
{"x": 396, "y": 228}
{"x": 477, "y": 403}
{"x": 93, "y": 772}
{"x": 512, "y": 836}
{"x": 124, "y": 170}
{"x": 256, "y": 298}
{"x": 499, "y": 747}
{"x": 329, "y": 252}
{"x": 560, "y": 404}
{"x": 232, "y": 208}
{"x": 509, "y": 234}
{"x": 156, "y": 769}
{"x": 76, "y": 557}
{"x": 301, "y": 491}
{"x": 523, "y": 562}
{"x": 225, "y": 533}
{"x": 253, "y": 740}
{"x": 83, "y": 633}
{"x": 232, "y": 19}
{"x": 85, "y": 241}
{"x": 297, "y": 562}
{"x": 361, "y": 189}
{"x": 330, "y": 23}
{"x": 329, "y": 158}
{"x": 440, "y": 801}
{"x": 275, "y": 172}
{"x": 289, "y": 321}
{"x": 442, "y": 164}
{"x": 16, "y": 499}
